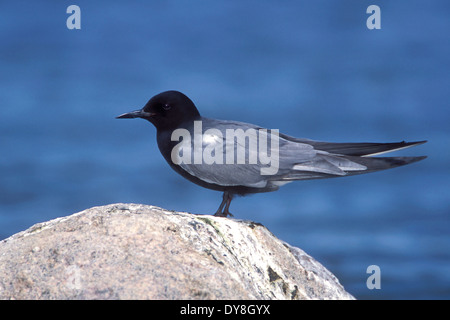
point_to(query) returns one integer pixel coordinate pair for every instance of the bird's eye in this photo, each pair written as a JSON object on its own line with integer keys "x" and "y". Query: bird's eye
{"x": 166, "y": 106}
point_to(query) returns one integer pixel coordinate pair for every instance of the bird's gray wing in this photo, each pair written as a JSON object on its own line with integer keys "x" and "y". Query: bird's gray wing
{"x": 355, "y": 149}
{"x": 292, "y": 160}
{"x": 345, "y": 159}
{"x": 227, "y": 160}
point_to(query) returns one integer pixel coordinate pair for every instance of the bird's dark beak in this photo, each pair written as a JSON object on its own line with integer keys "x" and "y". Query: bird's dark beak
{"x": 135, "y": 114}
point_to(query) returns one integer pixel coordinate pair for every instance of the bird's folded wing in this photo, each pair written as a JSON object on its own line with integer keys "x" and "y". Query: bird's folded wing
{"x": 227, "y": 162}
{"x": 294, "y": 160}
{"x": 355, "y": 149}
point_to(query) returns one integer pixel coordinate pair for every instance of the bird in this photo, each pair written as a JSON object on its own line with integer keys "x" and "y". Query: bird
{"x": 222, "y": 155}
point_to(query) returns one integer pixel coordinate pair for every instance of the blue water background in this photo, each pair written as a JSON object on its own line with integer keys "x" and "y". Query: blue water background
{"x": 309, "y": 68}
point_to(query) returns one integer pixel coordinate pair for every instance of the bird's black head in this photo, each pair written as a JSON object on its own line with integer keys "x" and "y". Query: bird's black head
{"x": 167, "y": 110}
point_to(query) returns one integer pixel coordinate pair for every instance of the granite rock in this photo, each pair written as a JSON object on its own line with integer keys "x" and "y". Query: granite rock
{"x": 133, "y": 251}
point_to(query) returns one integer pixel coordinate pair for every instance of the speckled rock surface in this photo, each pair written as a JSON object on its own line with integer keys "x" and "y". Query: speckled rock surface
{"x": 131, "y": 251}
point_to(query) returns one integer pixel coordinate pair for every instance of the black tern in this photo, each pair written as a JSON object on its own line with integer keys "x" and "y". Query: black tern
{"x": 235, "y": 158}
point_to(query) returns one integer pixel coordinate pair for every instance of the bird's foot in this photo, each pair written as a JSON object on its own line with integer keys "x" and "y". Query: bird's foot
{"x": 227, "y": 197}
{"x": 223, "y": 214}
{"x": 228, "y": 213}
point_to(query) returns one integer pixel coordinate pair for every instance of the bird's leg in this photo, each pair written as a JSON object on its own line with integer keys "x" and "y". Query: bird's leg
{"x": 227, "y": 197}
{"x": 226, "y": 211}
{"x": 219, "y": 211}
